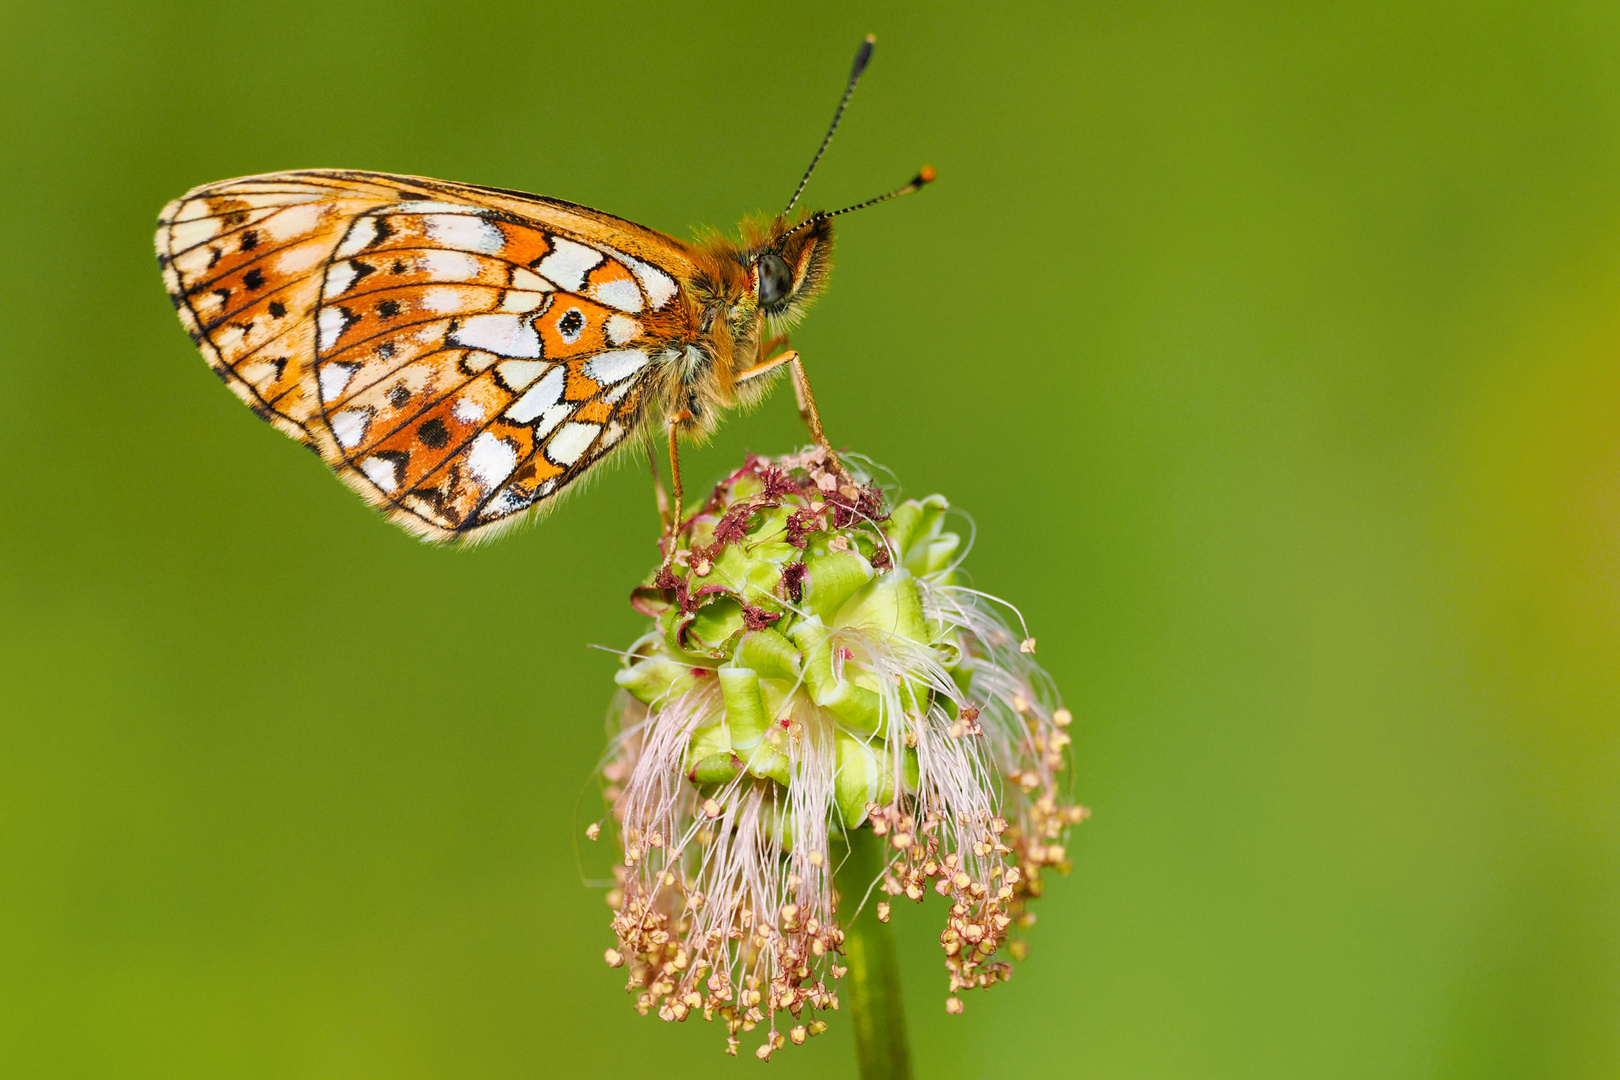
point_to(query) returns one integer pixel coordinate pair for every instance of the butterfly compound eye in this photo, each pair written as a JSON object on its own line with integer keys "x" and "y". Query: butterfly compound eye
{"x": 775, "y": 279}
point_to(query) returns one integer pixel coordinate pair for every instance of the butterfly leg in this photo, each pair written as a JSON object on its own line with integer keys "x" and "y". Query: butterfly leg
{"x": 801, "y": 391}
{"x": 659, "y": 493}
{"x": 807, "y": 402}
{"x": 811, "y": 418}
{"x": 678, "y": 506}
{"x": 765, "y": 367}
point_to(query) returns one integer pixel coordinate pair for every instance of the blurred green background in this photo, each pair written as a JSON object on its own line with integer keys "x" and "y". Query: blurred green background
{"x": 1273, "y": 351}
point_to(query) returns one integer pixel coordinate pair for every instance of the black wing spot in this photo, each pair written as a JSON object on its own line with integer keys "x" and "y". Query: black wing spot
{"x": 216, "y": 253}
{"x": 388, "y": 308}
{"x": 277, "y": 309}
{"x": 253, "y": 278}
{"x": 398, "y": 396}
{"x": 570, "y": 325}
{"x": 398, "y": 268}
{"x": 250, "y": 240}
{"x": 386, "y": 349}
{"x": 433, "y": 496}
{"x": 433, "y": 434}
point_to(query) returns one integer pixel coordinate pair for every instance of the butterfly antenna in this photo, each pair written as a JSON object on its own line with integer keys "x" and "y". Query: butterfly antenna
{"x": 924, "y": 177}
{"x": 862, "y": 58}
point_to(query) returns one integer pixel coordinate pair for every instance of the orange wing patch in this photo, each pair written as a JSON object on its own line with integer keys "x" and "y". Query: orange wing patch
{"x": 457, "y": 361}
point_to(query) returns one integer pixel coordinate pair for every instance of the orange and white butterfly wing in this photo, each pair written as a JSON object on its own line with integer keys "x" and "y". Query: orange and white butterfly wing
{"x": 458, "y": 354}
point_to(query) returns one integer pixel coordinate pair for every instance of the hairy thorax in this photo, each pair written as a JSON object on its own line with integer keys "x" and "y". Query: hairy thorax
{"x": 725, "y": 328}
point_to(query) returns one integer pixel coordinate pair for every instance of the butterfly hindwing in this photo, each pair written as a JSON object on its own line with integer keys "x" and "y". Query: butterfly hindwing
{"x": 458, "y": 355}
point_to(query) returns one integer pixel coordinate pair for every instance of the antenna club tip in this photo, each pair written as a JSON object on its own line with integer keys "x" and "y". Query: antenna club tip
{"x": 863, "y": 57}
{"x": 926, "y": 175}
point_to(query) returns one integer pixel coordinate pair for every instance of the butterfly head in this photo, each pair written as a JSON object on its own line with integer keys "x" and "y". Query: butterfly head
{"x": 789, "y": 266}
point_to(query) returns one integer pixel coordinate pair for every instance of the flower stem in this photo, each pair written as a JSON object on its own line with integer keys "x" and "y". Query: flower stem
{"x": 874, "y": 973}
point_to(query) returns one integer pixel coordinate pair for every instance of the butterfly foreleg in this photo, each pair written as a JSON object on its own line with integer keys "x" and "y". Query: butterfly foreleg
{"x": 807, "y": 410}
{"x": 765, "y": 367}
{"x": 801, "y": 391}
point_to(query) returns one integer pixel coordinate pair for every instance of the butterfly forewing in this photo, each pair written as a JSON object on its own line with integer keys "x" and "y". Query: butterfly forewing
{"x": 458, "y": 354}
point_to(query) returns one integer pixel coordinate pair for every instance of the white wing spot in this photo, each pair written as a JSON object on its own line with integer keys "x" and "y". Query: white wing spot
{"x": 362, "y": 234}
{"x": 610, "y": 367}
{"x": 506, "y": 503}
{"x": 522, "y": 302}
{"x": 524, "y": 278}
{"x": 505, "y": 335}
{"x": 295, "y": 260}
{"x": 382, "y": 472}
{"x": 449, "y": 265}
{"x": 333, "y": 321}
{"x": 552, "y": 417}
{"x": 491, "y": 460}
{"x": 339, "y": 276}
{"x": 660, "y": 286}
{"x": 540, "y": 397}
{"x": 259, "y": 371}
{"x": 568, "y": 263}
{"x": 619, "y": 293}
{"x": 621, "y": 328}
{"x": 295, "y": 221}
{"x": 421, "y": 206}
{"x": 466, "y": 232}
{"x": 442, "y": 299}
{"x": 185, "y": 234}
{"x": 349, "y": 427}
{"x": 469, "y": 411}
{"x": 334, "y": 377}
{"x": 571, "y": 440}
{"x": 194, "y": 263}
{"x": 518, "y": 374}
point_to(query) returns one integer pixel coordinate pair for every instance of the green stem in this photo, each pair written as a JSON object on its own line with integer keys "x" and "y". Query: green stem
{"x": 873, "y": 980}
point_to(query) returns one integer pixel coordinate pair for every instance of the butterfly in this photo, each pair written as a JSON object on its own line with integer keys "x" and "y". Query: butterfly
{"x": 460, "y": 355}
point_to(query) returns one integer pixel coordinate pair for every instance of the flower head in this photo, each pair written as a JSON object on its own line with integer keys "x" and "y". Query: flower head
{"x": 816, "y": 667}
